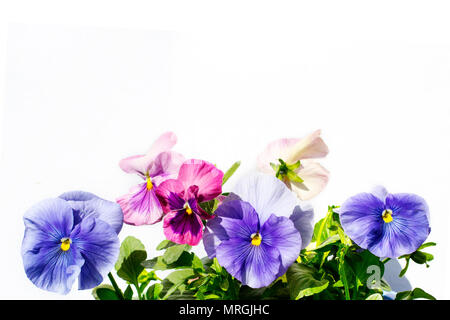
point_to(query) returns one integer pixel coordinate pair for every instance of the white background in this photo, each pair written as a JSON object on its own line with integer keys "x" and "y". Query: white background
{"x": 86, "y": 83}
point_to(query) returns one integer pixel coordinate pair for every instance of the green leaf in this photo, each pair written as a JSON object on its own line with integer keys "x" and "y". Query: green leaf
{"x": 426, "y": 245}
{"x": 294, "y": 166}
{"x": 274, "y": 166}
{"x": 147, "y": 276}
{"x": 154, "y": 291}
{"x": 375, "y": 296}
{"x": 128, "y": 294}
{"x": 419, "y": 257}
{"x": 417, "y": 293}
{"x": 132, "y": 254}
{"x": 328, "y": 243}
{"x": 173, "y": 253}
{"x": 158, "y": 263}
{"x": 210, "y": 206}
{"x": 165, "y": 244}
{"x": 224, "y": 285}
{"x": 216, "y": 266}
{"x": 302, "y": 282}
{"x": 104, "y": 292}
{"x": 211, "y": 297}
{"x": 178, "y": 277}
{"x": 197, "y": 264}
{"x": 360, "y": 262}
{"x": 327, "y": 227}
{"x": 230, "y": 172}
{"x": 293, "y": 176}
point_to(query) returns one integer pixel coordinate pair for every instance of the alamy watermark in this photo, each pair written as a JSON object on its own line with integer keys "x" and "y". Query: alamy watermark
{"x": 374, "y": 279}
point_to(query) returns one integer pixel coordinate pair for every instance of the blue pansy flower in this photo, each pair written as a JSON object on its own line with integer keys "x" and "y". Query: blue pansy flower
{"x": 67, "y": 239}
{"x": 388, "y": 225}
{"x": 259, "y": 230}
{"x": 87, "y": 204}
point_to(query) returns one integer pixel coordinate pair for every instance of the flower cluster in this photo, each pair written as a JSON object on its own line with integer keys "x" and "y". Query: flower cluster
{"x": 259, "y": 235}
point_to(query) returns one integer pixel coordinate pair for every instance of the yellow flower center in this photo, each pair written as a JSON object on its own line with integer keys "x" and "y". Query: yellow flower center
{"x": 387, "y": 215}
{"x": 149, "y": 183}
{"x": 65, "y": 244}
{"x": 187, "y": 208}
{"x": 256, "y": 239}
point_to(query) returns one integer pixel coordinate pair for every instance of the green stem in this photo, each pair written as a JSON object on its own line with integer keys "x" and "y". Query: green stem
{"x": 342, "y": 272}
{"x": 355, "y": 290}
{"x": 138, "y": 291}
{"x": 116, "y": 287}
{"x": 386, "y": 260}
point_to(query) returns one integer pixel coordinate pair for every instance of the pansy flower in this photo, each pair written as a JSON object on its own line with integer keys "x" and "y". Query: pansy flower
{"x": 62, "y": 244}
{"x": 388, "y": 225}
{"x": 258, "y": 232}
{"x": 291, "y": 160}
{"x": 141, "y": 206}
{"x": 198, "y": 181}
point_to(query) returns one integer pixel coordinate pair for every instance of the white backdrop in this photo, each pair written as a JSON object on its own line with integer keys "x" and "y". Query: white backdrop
{"x": 86, "y": 84}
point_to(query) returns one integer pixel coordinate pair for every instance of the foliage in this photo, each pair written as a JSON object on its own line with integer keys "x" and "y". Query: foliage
{"x": 332, "y": 267}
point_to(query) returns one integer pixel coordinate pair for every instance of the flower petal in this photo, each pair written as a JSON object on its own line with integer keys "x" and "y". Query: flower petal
{"x": 141, "y": 206}
{"x": 171, "y": 195}
{"x": 380, "y": 192}
{"x": 275, "y": 150}
{"x": 210, "y": 241}
{"x": 255, "y": 266}
{"x": 303, "y": 219}
{"x": 89, "y": 205}
{"x": 408, "y": 230}
{"x": 140, "y": 163}
{"x": 315, "y": 179}
{"x": 204, "y": 175}
{"x": 280, "y": 233}
{"x": 99, "y": 245}
{"x": 45, "y": 264}
{"x": 165, "y": 142}
{"x": 267, "y": 194}
{"x": 166, "y": 164}
{"x": 233, "y": 219}
{"x": 310, "y": 147}
{"x": 183, "y": 228}
{"x": 54, "y": 216}
{"x": 360, "y": 217}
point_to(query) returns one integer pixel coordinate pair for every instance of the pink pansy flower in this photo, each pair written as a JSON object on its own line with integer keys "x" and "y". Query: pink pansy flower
{"x": 198, "y": 181}
{"x": 291, "y": 160}
{"x": 141, "y": 206}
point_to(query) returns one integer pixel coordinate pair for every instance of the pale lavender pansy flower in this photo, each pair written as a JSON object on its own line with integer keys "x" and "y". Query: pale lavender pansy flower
{"x": 388, "y": 225}
{"x": 62, "y": 244}
{"x": 297, "y": 167}
{"x": 141, "y": 206}
{"x": 259, "y": 230}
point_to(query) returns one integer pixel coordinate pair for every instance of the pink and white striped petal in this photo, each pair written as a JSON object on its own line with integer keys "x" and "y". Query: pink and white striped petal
{"x": 141, "y": 206}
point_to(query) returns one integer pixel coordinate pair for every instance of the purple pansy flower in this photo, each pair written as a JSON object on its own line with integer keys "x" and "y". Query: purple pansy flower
{"x": 141, "y": 206}
{"x": 198, "y": 181}
{"x": 258, "y": 230}
{"x": 65, "y": 240}
{"x": 388, "y": 225}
